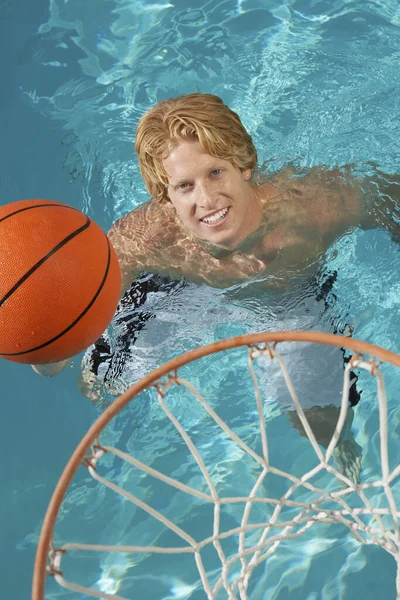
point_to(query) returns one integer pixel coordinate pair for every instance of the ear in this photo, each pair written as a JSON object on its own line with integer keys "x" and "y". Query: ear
{"x": 246, "y": 174}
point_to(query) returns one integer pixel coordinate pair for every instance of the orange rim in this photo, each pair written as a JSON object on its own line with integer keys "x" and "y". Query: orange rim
{"x": 355, "y": 346}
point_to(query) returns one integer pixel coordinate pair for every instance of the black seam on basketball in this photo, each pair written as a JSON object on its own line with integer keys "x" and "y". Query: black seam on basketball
{"x": 20, "y": 210}
{"x": 58, "y": 336}
{"x": 57, "y": 247}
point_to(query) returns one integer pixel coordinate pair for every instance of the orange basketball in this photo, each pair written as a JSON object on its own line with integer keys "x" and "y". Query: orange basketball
{"x": 59, "y": 281}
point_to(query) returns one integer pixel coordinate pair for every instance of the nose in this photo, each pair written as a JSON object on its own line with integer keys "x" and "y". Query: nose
{"x": 207, "y": 197}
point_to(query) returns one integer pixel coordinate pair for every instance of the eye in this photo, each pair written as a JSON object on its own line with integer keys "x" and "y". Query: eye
{"x": 183, "y": 186}
{"x": 216, "y": 172}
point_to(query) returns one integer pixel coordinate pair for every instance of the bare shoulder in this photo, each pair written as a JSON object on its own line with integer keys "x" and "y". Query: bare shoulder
{"x": 291, "y": 178}
{"x": 324, "y": 197}
{"x": 135, "y": 238}
{"x": 135, "y": 221}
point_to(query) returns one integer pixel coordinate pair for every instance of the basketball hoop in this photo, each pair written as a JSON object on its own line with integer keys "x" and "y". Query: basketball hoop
{"x": 319, "y": 495}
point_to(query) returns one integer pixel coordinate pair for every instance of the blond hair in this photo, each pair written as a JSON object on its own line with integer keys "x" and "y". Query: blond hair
{"x": 203, "y": 117}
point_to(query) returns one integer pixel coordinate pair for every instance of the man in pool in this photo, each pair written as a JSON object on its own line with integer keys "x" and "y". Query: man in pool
{"x": 214, "y": 219}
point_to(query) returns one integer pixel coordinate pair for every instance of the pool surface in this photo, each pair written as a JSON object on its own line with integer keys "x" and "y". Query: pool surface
{"x": 315, "y": 83}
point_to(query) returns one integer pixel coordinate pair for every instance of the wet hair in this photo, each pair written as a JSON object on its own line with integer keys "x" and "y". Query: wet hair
{"x": 202, "y": 117}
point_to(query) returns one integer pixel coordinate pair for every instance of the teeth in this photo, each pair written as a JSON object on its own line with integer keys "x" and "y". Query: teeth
{"x": 216, "y": 216}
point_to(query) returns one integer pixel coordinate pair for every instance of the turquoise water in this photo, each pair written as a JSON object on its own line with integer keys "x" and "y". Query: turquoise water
{"x": 315, "y": 83}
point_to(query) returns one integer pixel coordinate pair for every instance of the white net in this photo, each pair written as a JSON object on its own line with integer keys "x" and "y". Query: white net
{"x": 366, "y": 508}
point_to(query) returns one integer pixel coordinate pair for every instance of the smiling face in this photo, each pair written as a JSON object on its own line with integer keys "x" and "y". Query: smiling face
{"x": 212, "y": 197}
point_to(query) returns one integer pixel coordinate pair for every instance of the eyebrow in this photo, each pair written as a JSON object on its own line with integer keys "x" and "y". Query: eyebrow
{"x": 187, "y": 179}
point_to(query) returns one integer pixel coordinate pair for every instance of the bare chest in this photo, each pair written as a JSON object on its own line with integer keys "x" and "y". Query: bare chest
{"x": 189, "y": 259}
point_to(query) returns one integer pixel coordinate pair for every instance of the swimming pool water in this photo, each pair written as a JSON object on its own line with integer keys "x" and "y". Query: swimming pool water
{"x": 315, "y": 83}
